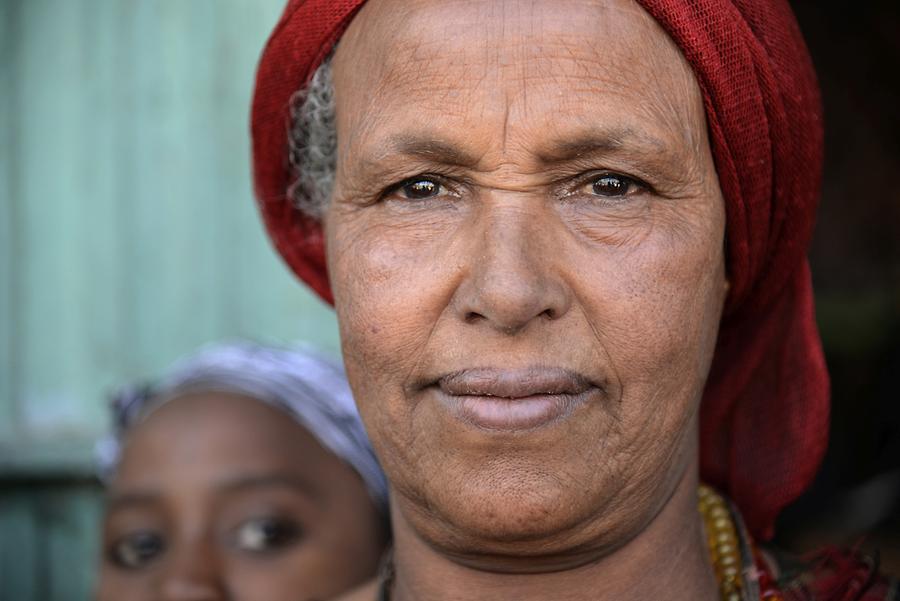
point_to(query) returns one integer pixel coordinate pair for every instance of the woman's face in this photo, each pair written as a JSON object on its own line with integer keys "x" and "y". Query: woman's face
{"x": 525, "y": 244}
{"x": 223, "y": 497}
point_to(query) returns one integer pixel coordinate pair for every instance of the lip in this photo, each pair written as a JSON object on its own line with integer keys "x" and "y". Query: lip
{"x": 514, "y": 399}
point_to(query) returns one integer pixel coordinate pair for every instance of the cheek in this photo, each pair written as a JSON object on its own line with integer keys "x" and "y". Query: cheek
{"x": 392, "y": 283}
{"x": 387, "y": 285}
{"x": 311, "y": 572}
{"x": 655, "y": 302}
{"x": 118, "y": 585}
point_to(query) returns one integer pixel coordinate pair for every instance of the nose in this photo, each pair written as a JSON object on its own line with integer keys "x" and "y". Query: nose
{"x": 513, "y": 277}
{"x": 193, "y": 575}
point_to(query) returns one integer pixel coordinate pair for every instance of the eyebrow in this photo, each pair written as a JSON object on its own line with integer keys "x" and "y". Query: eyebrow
{"x": 434, "y": 150}
{"x": 428, "y": 149}
{"x": 275, "y": 480}
{"x": 602, "y": 142}
{"x": 142, "y": 498}
{"x": 127, "y": 500}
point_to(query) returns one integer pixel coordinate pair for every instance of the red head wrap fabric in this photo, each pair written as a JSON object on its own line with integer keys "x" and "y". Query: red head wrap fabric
{"x": 764, "y": 418}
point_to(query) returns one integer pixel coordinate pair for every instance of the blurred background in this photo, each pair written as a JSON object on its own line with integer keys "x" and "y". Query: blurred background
{"x": 128, "y": 237}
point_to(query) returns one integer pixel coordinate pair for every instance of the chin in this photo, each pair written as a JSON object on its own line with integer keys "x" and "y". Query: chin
{"x": 512, "y": 509}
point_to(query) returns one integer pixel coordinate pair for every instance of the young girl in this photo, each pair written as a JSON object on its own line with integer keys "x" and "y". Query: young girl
{"x": 245, "y": 474}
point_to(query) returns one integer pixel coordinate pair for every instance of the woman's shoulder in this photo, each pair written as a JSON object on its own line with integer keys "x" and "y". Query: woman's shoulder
{"x": 832, "y": 575}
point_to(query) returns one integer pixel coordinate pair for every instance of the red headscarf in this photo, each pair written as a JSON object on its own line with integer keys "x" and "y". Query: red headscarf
{"x": 764, "y": 417}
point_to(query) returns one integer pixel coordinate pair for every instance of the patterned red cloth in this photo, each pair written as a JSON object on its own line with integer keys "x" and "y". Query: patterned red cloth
{"x": 834, "y": 575}
{"x": 764, "y": 419}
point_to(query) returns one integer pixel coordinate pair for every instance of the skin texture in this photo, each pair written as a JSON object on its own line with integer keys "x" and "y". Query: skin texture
{"x": 248, "y": 507}
{"x": 521, "y": 256}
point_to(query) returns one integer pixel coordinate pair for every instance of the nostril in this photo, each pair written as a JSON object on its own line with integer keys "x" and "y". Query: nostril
{"x": 549, "y": 313}
{"x": 472, "y": 317}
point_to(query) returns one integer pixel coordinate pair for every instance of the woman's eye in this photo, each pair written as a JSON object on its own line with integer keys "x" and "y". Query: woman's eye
{"x": 266, "y": 534}
{"x": 610, "y": 185}
{"x": 420, "y": 188}
{"x": 134, "y": 551}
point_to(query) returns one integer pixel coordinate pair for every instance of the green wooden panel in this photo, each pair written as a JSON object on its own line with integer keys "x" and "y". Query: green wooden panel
{"x": 128, "y": 237}
{"x": 70, "y": 524}
{"x": 50, "y": 544}
{"x": 19, "y": 554}
{"x": 67, "y": 252}
{"x": 8, "y": 171}
{"x": 136, "y": 238}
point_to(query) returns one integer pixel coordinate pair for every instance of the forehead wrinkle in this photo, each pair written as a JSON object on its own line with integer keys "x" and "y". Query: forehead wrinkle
{"x": 500, "y": 45}
{"x": 427, "y": 76}
{"x": 424, "y": 63}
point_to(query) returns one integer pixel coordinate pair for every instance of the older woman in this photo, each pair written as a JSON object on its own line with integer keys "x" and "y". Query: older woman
{"x": 565, "y": 240}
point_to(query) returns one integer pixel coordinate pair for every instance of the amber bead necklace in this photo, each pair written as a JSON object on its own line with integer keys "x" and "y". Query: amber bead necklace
{"x": 725, "y": 548}
{"x": 722, "y": 541}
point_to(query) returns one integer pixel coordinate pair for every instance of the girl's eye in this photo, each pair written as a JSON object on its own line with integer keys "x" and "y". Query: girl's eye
{"x": 610, "y": 185}
{"x": 136, "y": 550}
{"x": 420, "y": 188}
{"x": 266, "y": 534}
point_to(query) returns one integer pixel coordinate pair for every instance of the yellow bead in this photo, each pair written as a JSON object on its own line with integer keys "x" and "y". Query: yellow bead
{"x": 720, "y": 524}
{"x": 718, "y": 512}
{"x": 725, "y": 538}
{"x": 728, "y": 561}
{"x": 731, "y": 580}
{"x": 725, "y": 549}
{"x": 722, "y": 541}
{"x": 729, "y": 587}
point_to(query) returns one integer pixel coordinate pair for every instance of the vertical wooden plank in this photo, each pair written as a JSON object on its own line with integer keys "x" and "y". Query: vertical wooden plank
{"x": 44, "y": 241}
{"x": 196, "y": 69}
{"x": 268, "y": 302}
{"x": 230, "y": 157}
{"x": 124, "y": 173}
{"x": 50, "y": 543}
{"x": 102, "y": 316}
{"x": 71, "y": 525}
{"x": 143, "y": 182}
{"x": 19, "y": 548}
{"x": 9, "y": 47}
{"x": 236, "y": 34}
{"x": 171, "y": 212}
{"x": 66, "y": 220}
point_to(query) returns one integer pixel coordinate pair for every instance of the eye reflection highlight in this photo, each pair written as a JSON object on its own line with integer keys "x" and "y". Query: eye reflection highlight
{"x": 137, "y": 549}
{"x": 266, "y": 534}
{"x": 611, "y": 185}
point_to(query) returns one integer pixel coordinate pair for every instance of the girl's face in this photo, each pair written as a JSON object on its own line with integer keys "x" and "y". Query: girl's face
{"x": 220, "y": 496}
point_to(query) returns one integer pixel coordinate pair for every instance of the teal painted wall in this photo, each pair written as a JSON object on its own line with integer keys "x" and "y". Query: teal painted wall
{"x": 128, "y": 236}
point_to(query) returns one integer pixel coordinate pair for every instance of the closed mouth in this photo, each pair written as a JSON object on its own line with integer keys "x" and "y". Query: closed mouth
{"x": 514, "y": 399}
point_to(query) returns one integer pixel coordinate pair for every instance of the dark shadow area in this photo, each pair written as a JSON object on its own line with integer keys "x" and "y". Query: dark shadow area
{"x": 856, "y": 269}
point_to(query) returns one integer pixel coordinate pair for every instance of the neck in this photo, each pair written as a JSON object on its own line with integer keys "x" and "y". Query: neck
{"x": 667, "y": 560}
